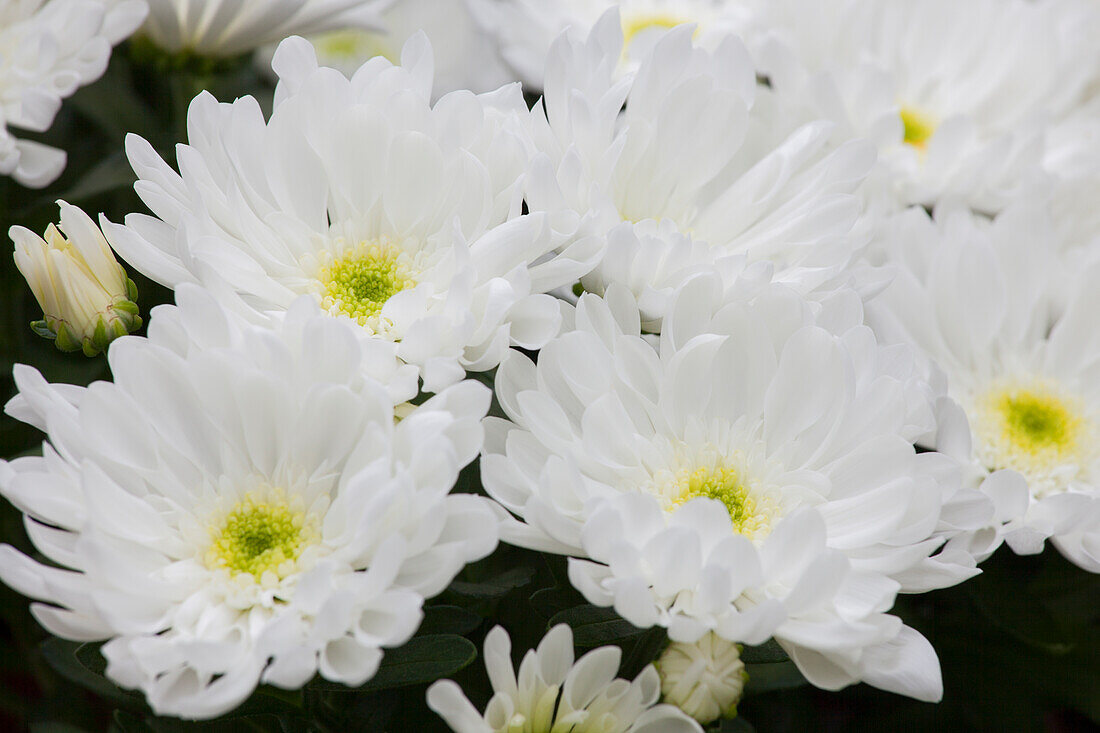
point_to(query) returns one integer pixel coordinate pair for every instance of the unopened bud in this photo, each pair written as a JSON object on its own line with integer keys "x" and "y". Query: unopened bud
{"x": 86, "y": 298}
{"x": 704, "y": 679}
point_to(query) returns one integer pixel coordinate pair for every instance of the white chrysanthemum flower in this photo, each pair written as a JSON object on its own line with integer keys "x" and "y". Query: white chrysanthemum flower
{"x": 231, "y": 27}
{"x": 200, "y": 323}
{"x": 392, "y": 213}
{"x": 1073, "y": 159}
{"x": 955, "y": 95}
{"x": 755, "y": 477}
{"x": 465, "y": 56}
{"x": 241, "y": 514}
{"x": 50, "y": 49}
{"x": 691, "y": 177}
{"x": 86, "y": 298}
{"x": 704, "y": 678}
{"x": 551, "y": 693}
{"x": 988, "y": 303}
{"x": 526, "y": 29}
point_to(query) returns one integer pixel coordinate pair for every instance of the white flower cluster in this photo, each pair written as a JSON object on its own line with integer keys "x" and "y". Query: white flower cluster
{"x": 835, "y": 340}
{"x": 49, "y": 49}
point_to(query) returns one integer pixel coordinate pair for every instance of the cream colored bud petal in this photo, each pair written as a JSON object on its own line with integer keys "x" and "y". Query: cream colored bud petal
{"x": 83, "y": 291}
{"x": 30, "y": 260}
{"x": 705, "y": 679}
{"x": 87, "y": 239}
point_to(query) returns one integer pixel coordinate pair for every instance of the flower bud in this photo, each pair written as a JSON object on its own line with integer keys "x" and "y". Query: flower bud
{"x": 86, "y": 298}
{"x": 704, "y": 678}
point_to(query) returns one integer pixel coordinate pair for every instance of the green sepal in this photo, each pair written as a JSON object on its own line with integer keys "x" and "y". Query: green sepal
{"x": 43, "y": 330}
{"x": 99, "y": 340}
{"x": 126, "y": 306}
{"x": 66, "y": 341}
{"x": 132, "y": 292}
{"x": 578, "y": 289}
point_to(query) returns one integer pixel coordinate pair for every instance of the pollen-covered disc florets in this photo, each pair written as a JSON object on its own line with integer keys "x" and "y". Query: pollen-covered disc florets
{"x": 918, "y": 127}
{"x": 711, "y": 474}
{"x": 358, "y": 281}
{"x": 1034, "y": 428}
{"x": 262, "y": 537}
{"x": 723, "y": 484}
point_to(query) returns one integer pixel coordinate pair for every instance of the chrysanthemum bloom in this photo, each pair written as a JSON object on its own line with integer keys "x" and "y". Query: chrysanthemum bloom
{"x": 240, "y": 514}
{"x": 524, "y": 30}
{"x": 1073, "y": 160}
{"x": 551, "y": 693}
{"x": 50, "y": 49}
{"x": 755, "y": 477}
{"x": 1016, "y": 337}
{"x": 704, "y": 678}
{"x": 465, "y": 57}
{"x": 955, "y": 95}
{"x": 692, "y": 176}
{"x": 200, "y": 323}
{"x": 86, "y": 298}
{"x": 231, "y": 27}
{"x": 396, "y": 215}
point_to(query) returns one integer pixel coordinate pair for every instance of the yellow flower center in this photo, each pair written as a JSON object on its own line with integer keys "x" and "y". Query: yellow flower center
{"x": 360, "y": 281}
{"x": 1031, "y": 428}
{"x": 259, "y": 536}
{"x": 354, "y": 45}
{"x": 724, "y": 484}
{"x": 635, "y": 24}
{"x": 919, "y": 127}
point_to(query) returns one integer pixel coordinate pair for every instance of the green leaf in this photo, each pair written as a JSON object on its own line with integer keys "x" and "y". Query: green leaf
{"x": 124, "y": 722}
{"x": 643, "y": 652}
{"x": 736, "y": 725}
{"x": 111, "y": 174}
{"x": 595, "y": 626}
{"x": 496, "y": 586}
{"x": 423, "y": 659}
{"x": 767, "y": 653}
{"x": 1008, "y": 606}
{"x": 550, "y": 601}
{"x": 84, "y": 665}
{"x": 772, "y": 676}
{"x": 448, "y": 620}
{"x": 126, "y": 111}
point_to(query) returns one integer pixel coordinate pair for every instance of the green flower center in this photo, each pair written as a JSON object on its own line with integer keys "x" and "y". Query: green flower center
{"x": 354, "y": 45}
{"x": 919, "y": 127}
{"x": 725, "y": 485}
{"x": 258, "y": 537}
{"x": 360, "y": 281}
{"x": 1034, "y": 422}
{"x": 1036, "y": 429}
